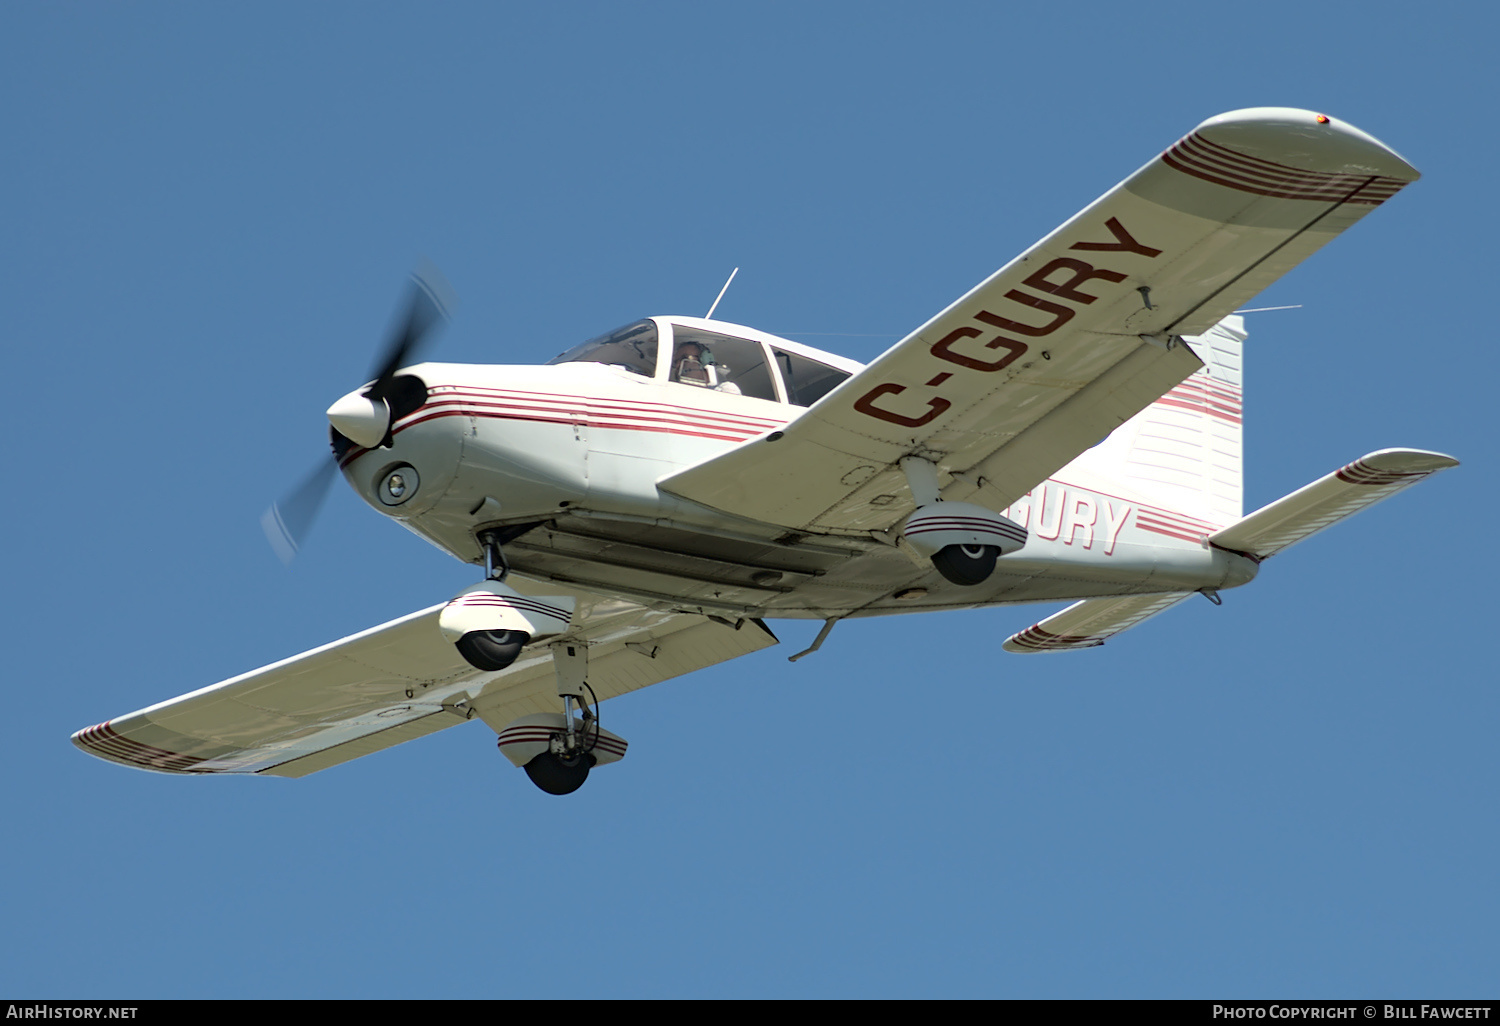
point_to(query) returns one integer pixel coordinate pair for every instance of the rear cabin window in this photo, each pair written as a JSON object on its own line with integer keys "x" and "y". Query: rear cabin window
{"x": 632, "y": 347}
{"x": 723, "y": 363}
{"x": 806, "y": 380}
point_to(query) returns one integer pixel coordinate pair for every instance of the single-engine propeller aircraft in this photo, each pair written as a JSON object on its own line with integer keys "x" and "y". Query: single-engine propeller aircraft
{"x": 643, "y": 503}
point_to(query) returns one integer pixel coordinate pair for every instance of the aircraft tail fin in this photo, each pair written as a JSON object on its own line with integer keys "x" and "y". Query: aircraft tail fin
{"x": 1184, "y": 452}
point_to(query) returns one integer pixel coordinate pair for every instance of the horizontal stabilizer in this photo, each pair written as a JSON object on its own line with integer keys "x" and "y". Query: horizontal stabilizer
{"x": 1091, "y": 622}
{"x": 1366, "y": 481}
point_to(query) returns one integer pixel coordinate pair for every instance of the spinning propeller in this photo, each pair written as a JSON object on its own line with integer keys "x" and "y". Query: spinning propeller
{"x": 364, "y": 416}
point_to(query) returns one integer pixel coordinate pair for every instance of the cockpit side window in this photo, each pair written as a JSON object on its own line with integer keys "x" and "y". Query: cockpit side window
{"x": 706, "y": 359}
{"x": 632, "y": 347}
{"x": 806, "y": 380}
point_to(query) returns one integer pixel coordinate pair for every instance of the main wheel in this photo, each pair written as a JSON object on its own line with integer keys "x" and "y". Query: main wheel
{"x": 557, "y": 775}
{"x": 966, "y": 564}
{"x": 491, "y": 650}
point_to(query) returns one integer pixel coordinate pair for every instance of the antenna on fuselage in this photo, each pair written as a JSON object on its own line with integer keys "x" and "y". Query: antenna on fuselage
{"x": 710, "y": 314}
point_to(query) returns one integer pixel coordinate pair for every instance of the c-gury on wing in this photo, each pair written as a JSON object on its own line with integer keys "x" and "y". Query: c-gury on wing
{"x": 397, "y": 682}
{"x": 1070, "y": 339}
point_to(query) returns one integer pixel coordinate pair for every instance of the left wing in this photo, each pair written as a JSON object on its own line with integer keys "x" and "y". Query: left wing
{"x": 1069, "y": 340}
{"x": 397, "y": 682}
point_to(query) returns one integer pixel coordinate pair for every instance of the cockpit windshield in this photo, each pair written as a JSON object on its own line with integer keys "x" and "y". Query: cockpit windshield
{"x": 632, "y": 347}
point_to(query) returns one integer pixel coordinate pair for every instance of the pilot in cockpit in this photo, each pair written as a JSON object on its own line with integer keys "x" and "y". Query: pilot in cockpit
{"x": 690, "y": 364}
{"x": 693, "y": 364}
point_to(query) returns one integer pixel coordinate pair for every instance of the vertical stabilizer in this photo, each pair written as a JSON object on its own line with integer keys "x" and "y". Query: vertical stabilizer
{"x": 1184, "y": 452}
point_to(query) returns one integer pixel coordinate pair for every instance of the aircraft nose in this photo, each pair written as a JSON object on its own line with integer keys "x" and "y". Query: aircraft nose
{"x": 362, "y": 420}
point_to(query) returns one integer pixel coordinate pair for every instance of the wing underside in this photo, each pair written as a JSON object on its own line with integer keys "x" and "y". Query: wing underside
{"x": 397, "y": 682}
{"x": 1069, "y": 340}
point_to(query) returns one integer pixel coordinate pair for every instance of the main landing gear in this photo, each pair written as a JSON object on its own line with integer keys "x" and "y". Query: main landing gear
{"x": 558, "y": 750}
{"x": 966, "y": 564}
{"x": 962, "y": 540}
{"x": 491, "y": 624}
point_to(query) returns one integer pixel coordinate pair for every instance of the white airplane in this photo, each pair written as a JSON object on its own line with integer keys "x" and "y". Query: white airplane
{"x": 643, "y": 503}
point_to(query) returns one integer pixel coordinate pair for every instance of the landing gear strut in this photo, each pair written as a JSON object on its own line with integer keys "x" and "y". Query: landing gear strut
{"x": 565, "y": 765}
{"x": 491, "y": 624}
{"x": 557, "y": 751}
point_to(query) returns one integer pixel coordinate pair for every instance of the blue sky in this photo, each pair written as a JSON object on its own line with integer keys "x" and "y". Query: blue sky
{"x": 209, "y": 213}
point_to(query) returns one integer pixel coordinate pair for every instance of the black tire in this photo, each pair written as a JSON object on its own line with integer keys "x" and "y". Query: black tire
{"x": 966, "y": 564}
{"x": 492, "y": 650}
{"x": 559, "y": 776}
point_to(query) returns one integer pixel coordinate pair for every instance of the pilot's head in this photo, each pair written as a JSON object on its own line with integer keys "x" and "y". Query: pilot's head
{"x": 690, "y": 362}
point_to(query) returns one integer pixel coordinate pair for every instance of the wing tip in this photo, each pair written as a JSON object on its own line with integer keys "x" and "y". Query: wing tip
{"x": 103, "y": 741}
{"x": 1034, "y": 639}
{"x": 1308, "y": 140}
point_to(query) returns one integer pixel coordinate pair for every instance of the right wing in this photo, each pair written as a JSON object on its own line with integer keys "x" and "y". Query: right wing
{"x": 1069, "y": 340}
{"x": 399, "y": 681}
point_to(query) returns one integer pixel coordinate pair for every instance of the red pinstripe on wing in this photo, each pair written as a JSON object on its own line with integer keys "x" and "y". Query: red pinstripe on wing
{"x": 1197, "y": 156}
{"x": 1361, "y": 473}
{"x": 1045, "y": 641}
{"x": 102, "y": 739}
